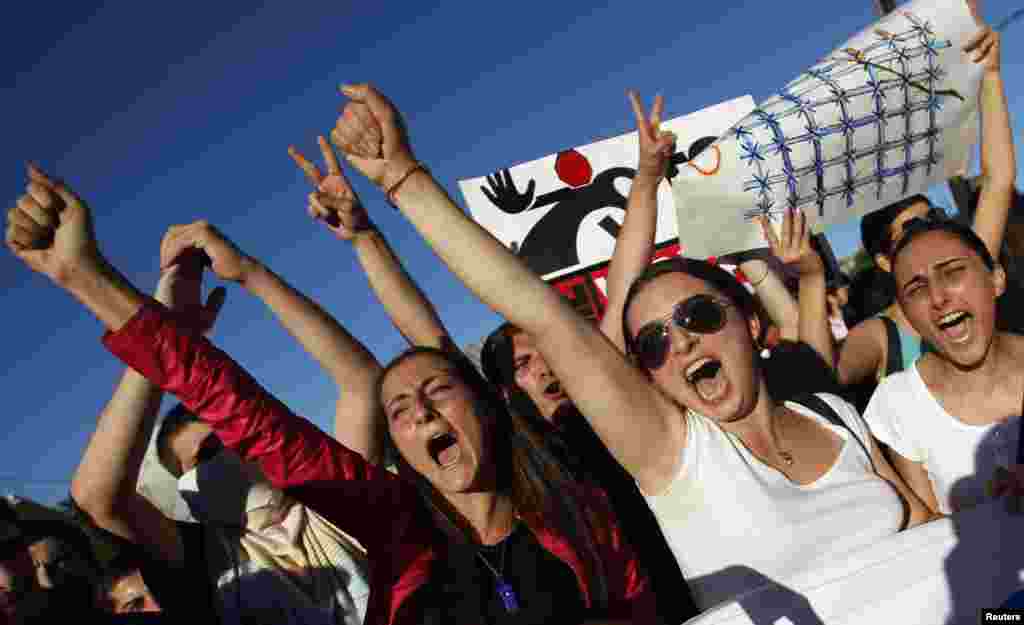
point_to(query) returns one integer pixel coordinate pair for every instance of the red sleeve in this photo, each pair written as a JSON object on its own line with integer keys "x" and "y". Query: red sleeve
{"x": 630, "y": 596}
{"x": 294, "y": 454}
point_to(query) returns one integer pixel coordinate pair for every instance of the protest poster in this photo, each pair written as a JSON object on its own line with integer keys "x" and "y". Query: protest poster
{"x": 877, "y": 120}
{"x": 561, "y": 213}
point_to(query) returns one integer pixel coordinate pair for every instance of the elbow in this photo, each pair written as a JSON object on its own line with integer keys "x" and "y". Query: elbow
{"x": 99, "y": 504}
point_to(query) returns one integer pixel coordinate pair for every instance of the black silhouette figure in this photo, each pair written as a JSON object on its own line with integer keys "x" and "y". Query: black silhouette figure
{"x": 551, "y": 244}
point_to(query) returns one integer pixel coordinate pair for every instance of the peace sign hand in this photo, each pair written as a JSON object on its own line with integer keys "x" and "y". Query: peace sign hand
{"x": 656, "y": 145}
{"x": 794, "y": 247}
{"x": 333, "y": 203}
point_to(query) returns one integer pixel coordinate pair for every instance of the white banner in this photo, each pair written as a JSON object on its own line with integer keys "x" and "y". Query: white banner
{"x": 561, "y": 213}
{"x": 942, "y": 573}
{"x": 876, "y": 120}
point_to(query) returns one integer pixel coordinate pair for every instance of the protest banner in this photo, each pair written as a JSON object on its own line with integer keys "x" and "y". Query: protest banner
{"x": 561, "y": 213}
{"x": 877, "y": 120}
{"x": 942, "y": 573}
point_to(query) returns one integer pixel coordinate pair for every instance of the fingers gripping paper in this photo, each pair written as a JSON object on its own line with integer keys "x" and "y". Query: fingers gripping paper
{"x": 561, "y": 213}
{"x": 878, "y": 119}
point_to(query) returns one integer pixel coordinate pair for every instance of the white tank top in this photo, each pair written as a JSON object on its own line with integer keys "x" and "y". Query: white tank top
{"x": 732, "y": 521}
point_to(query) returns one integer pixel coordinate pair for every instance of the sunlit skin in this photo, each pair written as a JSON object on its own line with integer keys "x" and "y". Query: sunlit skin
{"x": 938, "y": 275}
{"x": 185, "y": 446}
{"x": 423, "y": 397}
{"x": 129, "y": 594}
{"x": 733, "y": 346}
{"x": 534, "y": 377}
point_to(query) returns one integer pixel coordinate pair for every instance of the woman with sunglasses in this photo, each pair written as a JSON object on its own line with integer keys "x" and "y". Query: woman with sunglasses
{"x": 757, "y": 486}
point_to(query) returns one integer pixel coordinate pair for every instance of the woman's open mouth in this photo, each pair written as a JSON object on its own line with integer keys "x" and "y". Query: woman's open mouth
{"x": 955, "y": 326}
{"x": 707, "y": 378}
{"x": 444, "y": 449}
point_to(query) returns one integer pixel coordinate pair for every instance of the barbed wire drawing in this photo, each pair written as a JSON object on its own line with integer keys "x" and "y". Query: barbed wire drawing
{"x": 856, "y": 122}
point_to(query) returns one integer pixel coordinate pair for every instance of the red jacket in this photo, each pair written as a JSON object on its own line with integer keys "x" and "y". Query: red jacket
{"x": 379, "y": 509}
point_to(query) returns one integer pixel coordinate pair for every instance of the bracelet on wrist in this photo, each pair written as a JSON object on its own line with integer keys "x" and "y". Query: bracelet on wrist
{"x": 389, "y": 193}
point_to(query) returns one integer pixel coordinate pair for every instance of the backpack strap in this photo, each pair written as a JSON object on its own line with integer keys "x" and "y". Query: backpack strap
{"x": 894, "y": 353}
{"x": 819, "y": 406}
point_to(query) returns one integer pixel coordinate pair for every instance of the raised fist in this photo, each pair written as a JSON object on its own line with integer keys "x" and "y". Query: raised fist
{"x": 50, "y": 228}
{"x": 371, "y": 135}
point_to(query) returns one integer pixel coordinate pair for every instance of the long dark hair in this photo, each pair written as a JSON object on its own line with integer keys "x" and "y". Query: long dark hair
{"x": 540, "y": 489}
{"x": 718, "y": 278}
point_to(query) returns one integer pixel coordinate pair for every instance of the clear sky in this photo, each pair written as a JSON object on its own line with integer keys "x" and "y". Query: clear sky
{"x": 164, "y": 113}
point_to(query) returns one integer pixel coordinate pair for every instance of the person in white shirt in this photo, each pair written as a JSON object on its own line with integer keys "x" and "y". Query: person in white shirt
{"x": 953, "y": 419}
{"x": 756, "y": 484}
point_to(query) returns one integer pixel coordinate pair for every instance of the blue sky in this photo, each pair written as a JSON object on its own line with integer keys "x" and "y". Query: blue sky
{"x": 165, "y": 113}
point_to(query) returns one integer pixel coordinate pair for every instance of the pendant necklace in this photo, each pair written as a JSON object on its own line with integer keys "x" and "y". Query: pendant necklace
{"x": 785, "y": 455}
{"x": 504, "y": 589}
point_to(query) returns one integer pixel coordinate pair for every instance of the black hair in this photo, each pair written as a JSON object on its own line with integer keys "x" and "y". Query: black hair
{"x": 718, "y": 278}
{"x": 875, "y": 233}
{"x": 175, "y": 419}
{"x": 497, "y": 355}
{"x": 540, "y": 488}
{"x": 917, "y": 227}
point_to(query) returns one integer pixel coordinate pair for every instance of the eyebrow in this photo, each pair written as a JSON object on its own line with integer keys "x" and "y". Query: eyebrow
{"x": 391, "y": 402}
{"x": 939, "y": 265}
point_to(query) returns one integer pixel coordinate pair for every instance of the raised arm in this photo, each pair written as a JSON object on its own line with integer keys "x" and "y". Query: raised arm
{"x": 104, "y": 485}
{"x": 635, "y": 244}
{"x": 335, "y": 204}
{"x": 778, "y": 302}
{"x": 794, "y": 248}
{"x": 51, "y": 231}
{"x": 998, "y": 162}
{"x": 595, "y": 374}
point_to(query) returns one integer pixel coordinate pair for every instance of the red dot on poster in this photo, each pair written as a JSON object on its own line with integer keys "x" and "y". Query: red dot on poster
{"x": 573, "y": 168}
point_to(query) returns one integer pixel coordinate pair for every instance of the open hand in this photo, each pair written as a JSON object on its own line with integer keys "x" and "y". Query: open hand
{"x": 50, "y": 228}
{"x": 371, "y": 135}
{"x": 226, "y": 260}
{"x": 333, "y": 202}
{"x": 656, "y": 145}
{"x": 983, "y": 48}
{"x": 794, "y": 247}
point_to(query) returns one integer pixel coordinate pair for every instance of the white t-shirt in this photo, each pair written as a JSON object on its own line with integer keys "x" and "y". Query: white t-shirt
{"x": 960, "y": 458}
{"x": 731, "y": 520}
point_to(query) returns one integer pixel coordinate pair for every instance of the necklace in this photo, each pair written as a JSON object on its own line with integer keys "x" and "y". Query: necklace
{"x": 787, "y": 457}
{"x": 503, "y": 588}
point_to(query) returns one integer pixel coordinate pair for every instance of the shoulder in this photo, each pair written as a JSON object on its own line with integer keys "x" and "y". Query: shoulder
{"x": 870, "y": 330}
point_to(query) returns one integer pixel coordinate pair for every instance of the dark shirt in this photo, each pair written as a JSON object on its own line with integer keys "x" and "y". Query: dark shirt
{"x": 583, "y": 453}
{"x": 463, "y": 590}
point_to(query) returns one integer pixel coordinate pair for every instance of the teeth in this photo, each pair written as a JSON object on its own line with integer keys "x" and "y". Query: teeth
{"x": 952, "y": 318}
{"x": 693, "y": 368}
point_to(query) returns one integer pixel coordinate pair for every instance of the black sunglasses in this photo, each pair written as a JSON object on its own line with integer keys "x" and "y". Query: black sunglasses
{"x": 702, "y": 314}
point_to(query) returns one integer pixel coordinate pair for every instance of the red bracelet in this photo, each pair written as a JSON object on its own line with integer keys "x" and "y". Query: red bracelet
{"x": 390, "y": 193}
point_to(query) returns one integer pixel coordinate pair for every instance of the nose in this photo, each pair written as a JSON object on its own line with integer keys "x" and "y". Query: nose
{"x": 423, "y": 410}
{"x": 937, "y": 294}
{"x": 682, "y": 341}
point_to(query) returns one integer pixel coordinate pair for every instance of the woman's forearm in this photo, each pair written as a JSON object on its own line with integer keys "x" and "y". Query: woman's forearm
{"x": 352, "y": 367}
{"x": 406, "y": 305}
{"x": 633, "y": 250}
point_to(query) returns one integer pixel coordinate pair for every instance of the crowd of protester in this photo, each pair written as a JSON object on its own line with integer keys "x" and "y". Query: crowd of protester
{"x": 580, "y": 472}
